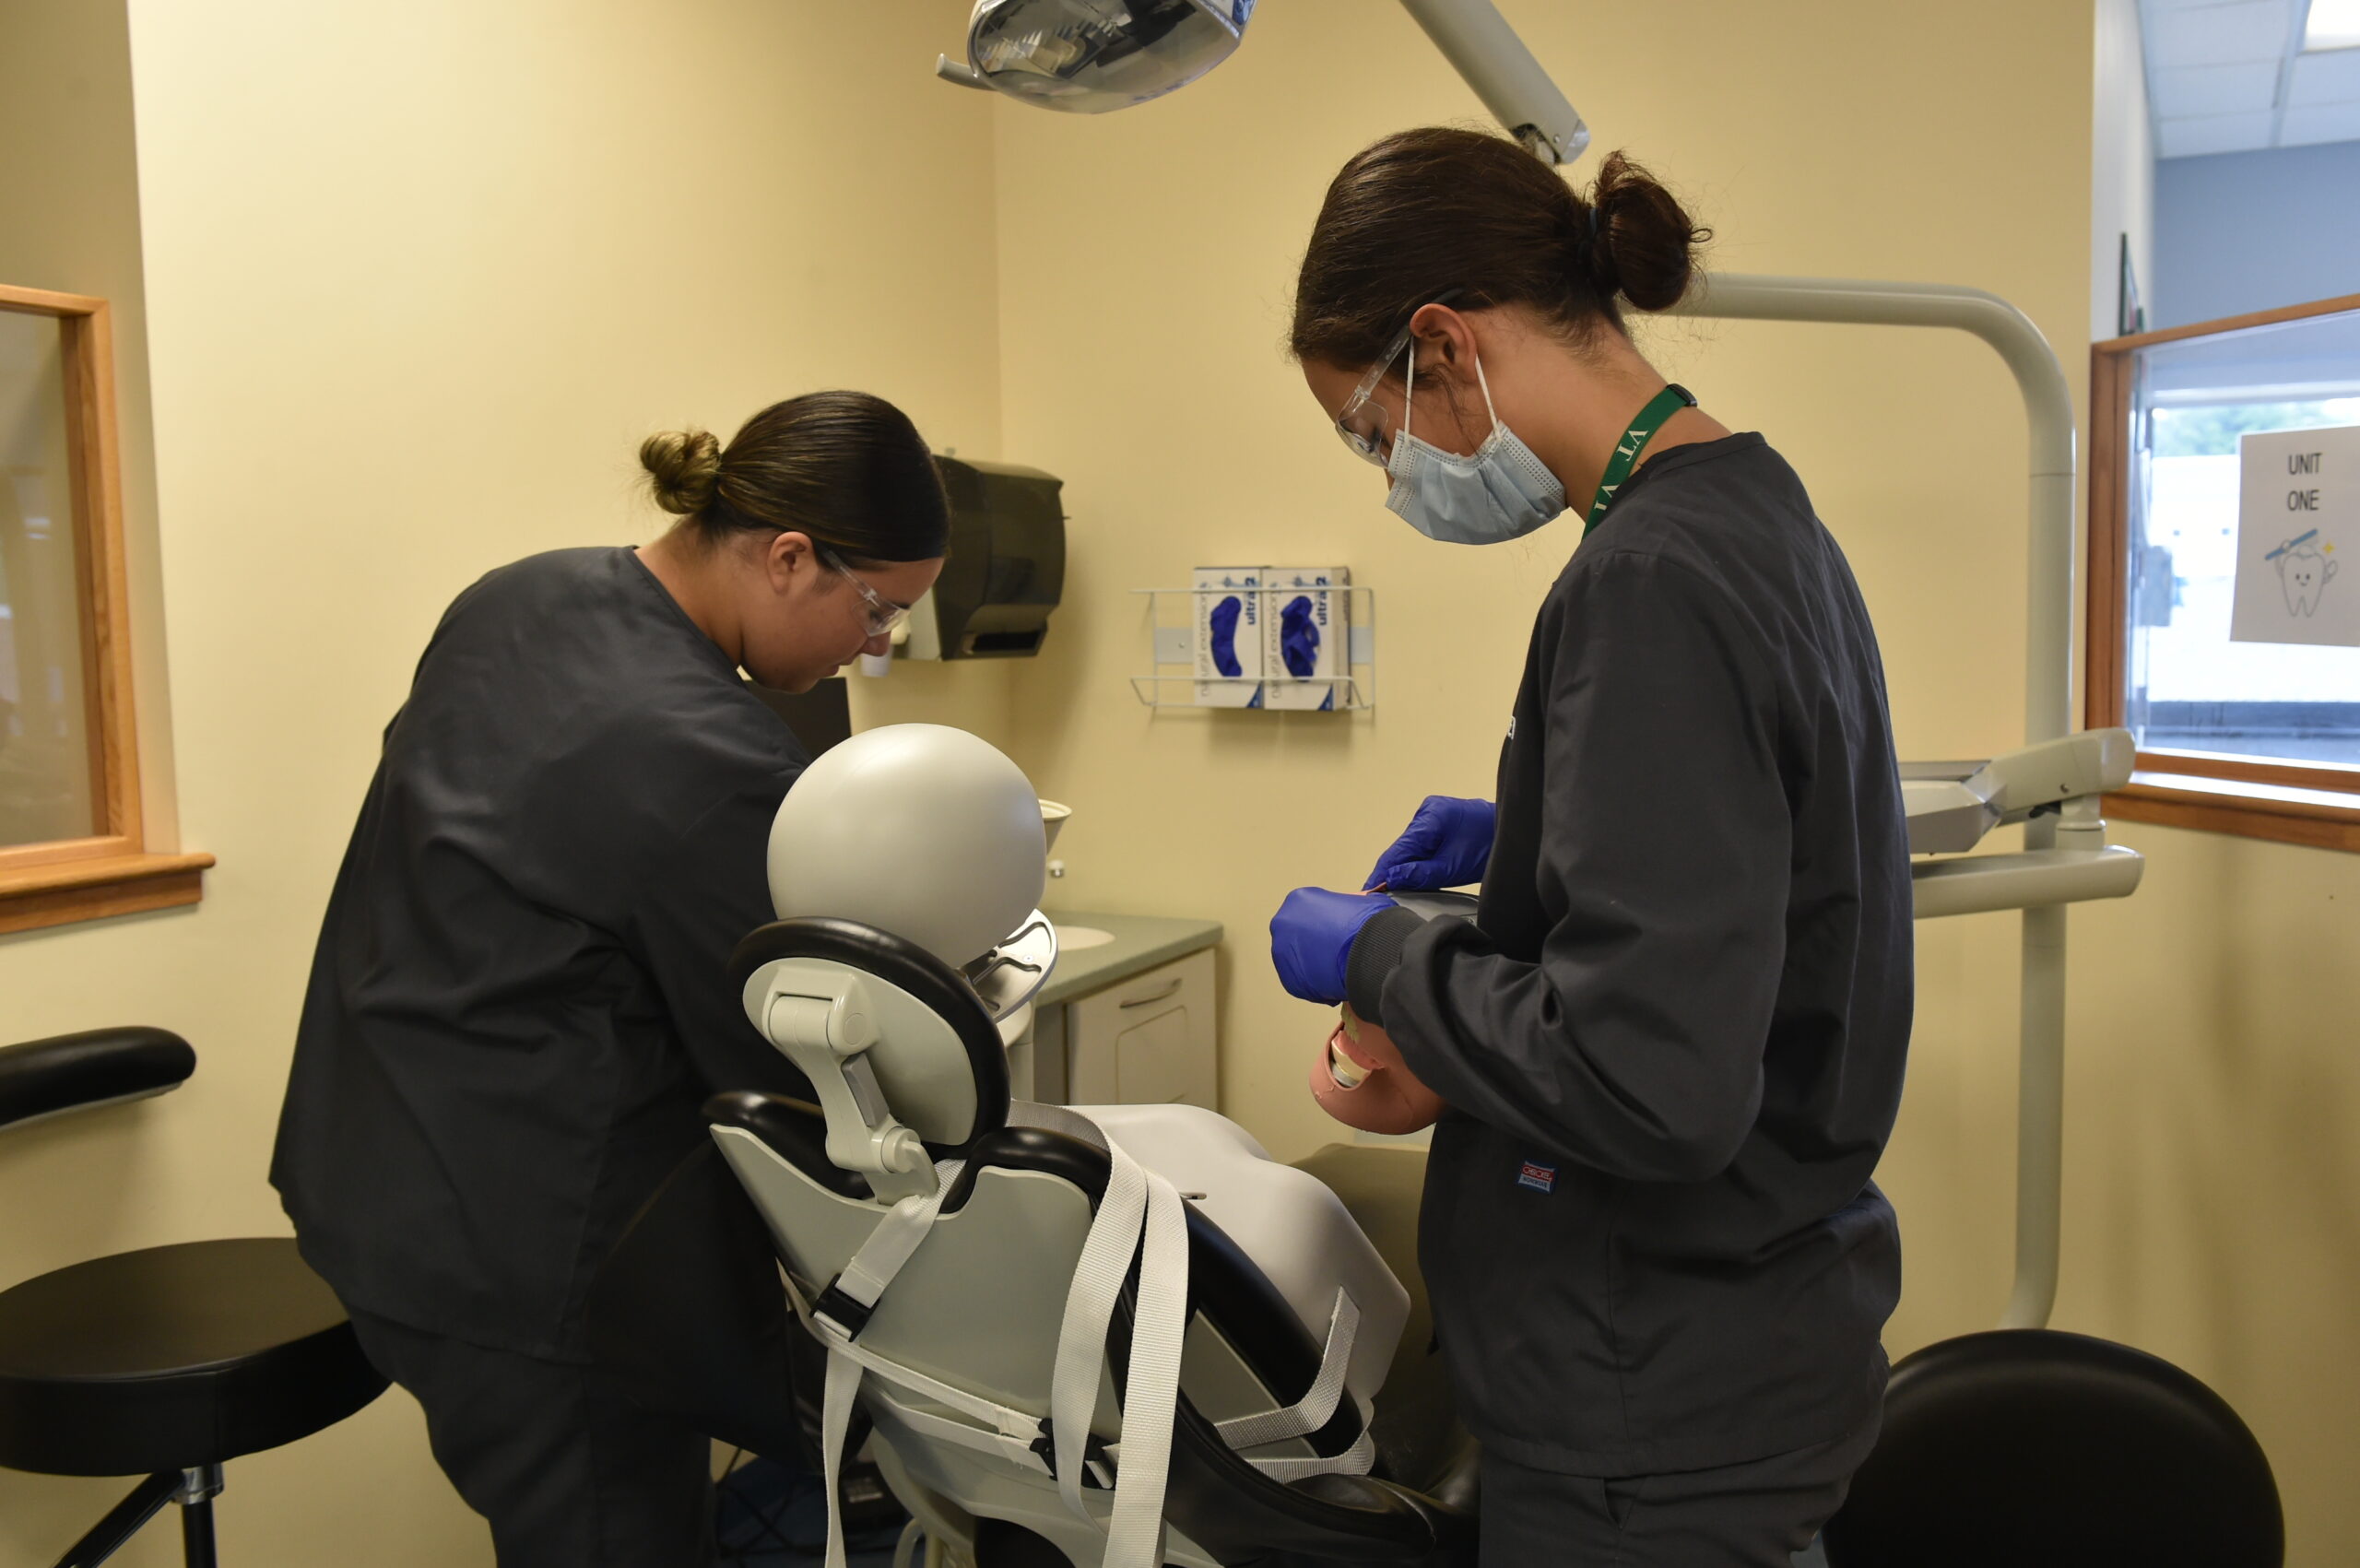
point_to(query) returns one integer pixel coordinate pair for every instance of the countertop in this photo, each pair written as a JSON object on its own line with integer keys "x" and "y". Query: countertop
{"x": 1141, "y": 942}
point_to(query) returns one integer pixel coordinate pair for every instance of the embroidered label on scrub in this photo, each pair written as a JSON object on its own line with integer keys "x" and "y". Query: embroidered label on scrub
{"x": 1540, "y": 1178}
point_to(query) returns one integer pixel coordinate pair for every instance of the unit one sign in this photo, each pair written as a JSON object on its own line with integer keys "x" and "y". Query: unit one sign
{"x": 2298, "y": 524}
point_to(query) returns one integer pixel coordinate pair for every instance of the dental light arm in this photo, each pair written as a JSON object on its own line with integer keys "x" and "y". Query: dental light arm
{"x": 1485, "y": 51}
{"x": 1086, "y": 57}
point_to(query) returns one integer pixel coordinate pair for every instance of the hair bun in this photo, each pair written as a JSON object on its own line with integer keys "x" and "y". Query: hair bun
{"x": 682, "y": 468}
{"x": 1641, "y": 244}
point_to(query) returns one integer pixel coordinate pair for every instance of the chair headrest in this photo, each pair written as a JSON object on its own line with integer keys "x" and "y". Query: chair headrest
{"x": 937, "y": 1058}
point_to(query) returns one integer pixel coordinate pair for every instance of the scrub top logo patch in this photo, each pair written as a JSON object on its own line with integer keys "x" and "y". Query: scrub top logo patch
{"x": 1538, "y": 1177}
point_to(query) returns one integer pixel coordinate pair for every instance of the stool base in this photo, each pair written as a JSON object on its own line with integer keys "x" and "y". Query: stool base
{"x": 193, "y": 1490}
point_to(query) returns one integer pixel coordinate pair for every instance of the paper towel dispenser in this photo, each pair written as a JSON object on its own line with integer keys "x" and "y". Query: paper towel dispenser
{"x": 1005, "y": 567}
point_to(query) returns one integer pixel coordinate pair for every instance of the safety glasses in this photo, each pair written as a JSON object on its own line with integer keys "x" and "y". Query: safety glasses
{"x": 881, "y": 615}
{"x": 1365, "y": 424}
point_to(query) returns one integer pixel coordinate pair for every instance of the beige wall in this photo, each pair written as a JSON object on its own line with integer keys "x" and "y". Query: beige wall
{"x": 421, "y": 275}
{"x": 1146, "y": 260}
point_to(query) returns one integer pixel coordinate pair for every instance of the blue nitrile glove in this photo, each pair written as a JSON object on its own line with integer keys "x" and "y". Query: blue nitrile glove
{"x": 1225, "y": 637}
{"x": 1446, "y": 844}
{"x": 1298, "y": 638}
{"x": 1311, "y": 939}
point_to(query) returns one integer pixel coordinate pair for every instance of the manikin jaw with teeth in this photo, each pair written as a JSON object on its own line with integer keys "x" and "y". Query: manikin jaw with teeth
{"x": 2302, "y": 574}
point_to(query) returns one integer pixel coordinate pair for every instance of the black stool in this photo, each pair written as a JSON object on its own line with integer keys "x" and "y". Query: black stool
{"x": 2036, "y": 1449}
{"x": 171, "y": 1360}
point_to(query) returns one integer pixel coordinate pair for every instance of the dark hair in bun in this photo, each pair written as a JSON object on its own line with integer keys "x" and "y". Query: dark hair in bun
{"x": 681, "y": 468}
{"x": 1424, "y": 212}
{"x": 845, "y": 467}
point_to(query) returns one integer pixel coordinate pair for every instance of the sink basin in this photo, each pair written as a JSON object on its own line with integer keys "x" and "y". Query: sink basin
{"x": 1073, "y": 938}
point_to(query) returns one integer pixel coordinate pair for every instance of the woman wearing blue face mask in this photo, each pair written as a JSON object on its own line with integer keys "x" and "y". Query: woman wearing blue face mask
{"x": 1668, "y": 1048}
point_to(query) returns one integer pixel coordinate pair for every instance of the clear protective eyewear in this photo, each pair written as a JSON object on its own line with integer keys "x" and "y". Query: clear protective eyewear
{"x": 880, "y": 614}
{"x": 1365, "y": 424}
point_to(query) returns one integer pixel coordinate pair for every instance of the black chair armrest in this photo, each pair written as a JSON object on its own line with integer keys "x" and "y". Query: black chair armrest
{"x": 98, "y": 1067}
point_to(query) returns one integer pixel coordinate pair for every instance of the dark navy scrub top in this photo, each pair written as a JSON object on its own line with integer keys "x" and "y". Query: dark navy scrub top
{"x": 520, "y": 999}
{"x": 1673, "y": 1039}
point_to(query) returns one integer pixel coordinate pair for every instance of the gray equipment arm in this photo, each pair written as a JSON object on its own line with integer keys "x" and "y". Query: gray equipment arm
{"x": 1483, "y": 49}
{"x": 2049, "y": 693}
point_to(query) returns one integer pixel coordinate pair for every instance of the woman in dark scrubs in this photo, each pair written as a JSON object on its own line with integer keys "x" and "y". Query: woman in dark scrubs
{"x": 1668, "y": 1048}
{"x": 519, "y": 1000}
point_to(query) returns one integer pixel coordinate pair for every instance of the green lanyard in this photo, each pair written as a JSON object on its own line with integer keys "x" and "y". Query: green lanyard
{"x": 1661, "y": 407}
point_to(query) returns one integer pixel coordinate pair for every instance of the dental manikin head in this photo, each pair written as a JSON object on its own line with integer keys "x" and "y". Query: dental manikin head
{"x": 922, "y": 831}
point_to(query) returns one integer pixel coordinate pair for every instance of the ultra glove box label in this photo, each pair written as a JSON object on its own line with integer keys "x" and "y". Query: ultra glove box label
{"x": 1229, "y": 636}
{"x": 1306, "y": 634}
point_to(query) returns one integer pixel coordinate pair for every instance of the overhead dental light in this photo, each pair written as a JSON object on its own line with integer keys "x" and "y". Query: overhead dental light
{"x": 1088, "y": 57}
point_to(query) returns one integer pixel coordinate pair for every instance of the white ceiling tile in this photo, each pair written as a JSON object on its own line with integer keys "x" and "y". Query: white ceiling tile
{"x": 2183, "y": 91}
{"x": 2219, "y": 35}
{"x": 2332, "y": 24}
{"x": 2322, "y": 122}
{"x": 2333, "y": 77}
{"x": 2213, "y": 132}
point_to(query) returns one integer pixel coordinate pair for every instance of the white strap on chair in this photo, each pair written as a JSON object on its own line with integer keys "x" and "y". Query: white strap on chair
{"x": 1141, "y": 1211}
{"x": 896, "y": 1237}
{"x": 1089, "y": 1308}
{"x": 1357, "y": 1460}
{"x": 1318, "y": 1406}
{"x": 836, "y": 1424}
{"x": 863, "y": 1279}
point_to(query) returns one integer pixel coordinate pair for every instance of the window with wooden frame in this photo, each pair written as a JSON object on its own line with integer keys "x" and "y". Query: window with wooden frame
{"x": 2223, "y": 596}
{"x": 71, "y": 843}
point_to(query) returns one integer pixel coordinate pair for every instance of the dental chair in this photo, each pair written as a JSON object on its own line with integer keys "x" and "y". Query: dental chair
{"x": 1118, "y": 1335}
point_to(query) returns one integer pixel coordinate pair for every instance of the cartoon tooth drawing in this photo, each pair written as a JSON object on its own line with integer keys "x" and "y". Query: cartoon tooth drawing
{"x": 2305, "y": 568}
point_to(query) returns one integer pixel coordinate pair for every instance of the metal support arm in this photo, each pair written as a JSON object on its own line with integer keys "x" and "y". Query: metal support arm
{"x": 2048, "y": 687}
{"x": 1485, "y": 51}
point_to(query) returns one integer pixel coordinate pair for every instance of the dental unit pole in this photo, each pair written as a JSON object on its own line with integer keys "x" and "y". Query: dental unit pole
{"x": 2049, "y": 692}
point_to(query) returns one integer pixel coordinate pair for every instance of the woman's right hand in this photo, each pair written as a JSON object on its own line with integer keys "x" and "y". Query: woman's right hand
{"x": 1389, "y": 1098}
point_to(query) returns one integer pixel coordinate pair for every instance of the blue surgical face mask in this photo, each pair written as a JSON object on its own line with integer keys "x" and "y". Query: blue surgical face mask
{"x": 1501, "y": 492}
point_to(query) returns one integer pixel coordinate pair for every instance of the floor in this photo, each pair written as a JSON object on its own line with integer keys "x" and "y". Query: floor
{"x": 772, "y": 1516}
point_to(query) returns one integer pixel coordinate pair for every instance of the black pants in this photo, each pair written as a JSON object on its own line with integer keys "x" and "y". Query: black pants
{"x": 1757, "y": 1515}
{"x": 569, "y": 1473}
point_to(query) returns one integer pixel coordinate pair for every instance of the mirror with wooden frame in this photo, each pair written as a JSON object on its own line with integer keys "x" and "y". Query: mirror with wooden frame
{"x": 71, "y": 839}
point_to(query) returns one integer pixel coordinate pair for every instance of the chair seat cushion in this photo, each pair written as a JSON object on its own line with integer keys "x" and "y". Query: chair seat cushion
{"x": 172, "y": 1357}
{"x": 2037, "y": 1448}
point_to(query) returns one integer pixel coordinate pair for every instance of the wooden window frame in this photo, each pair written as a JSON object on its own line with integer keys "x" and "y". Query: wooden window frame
{"x": 111, "y": 872}
{"x": 2305, "y": 803}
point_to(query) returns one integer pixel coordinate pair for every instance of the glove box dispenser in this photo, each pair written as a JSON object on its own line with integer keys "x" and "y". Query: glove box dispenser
{"x": 1006, "y": 568}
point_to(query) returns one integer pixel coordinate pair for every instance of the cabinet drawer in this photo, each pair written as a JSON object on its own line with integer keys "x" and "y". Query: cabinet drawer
{"x": 1148, "y": 1040}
